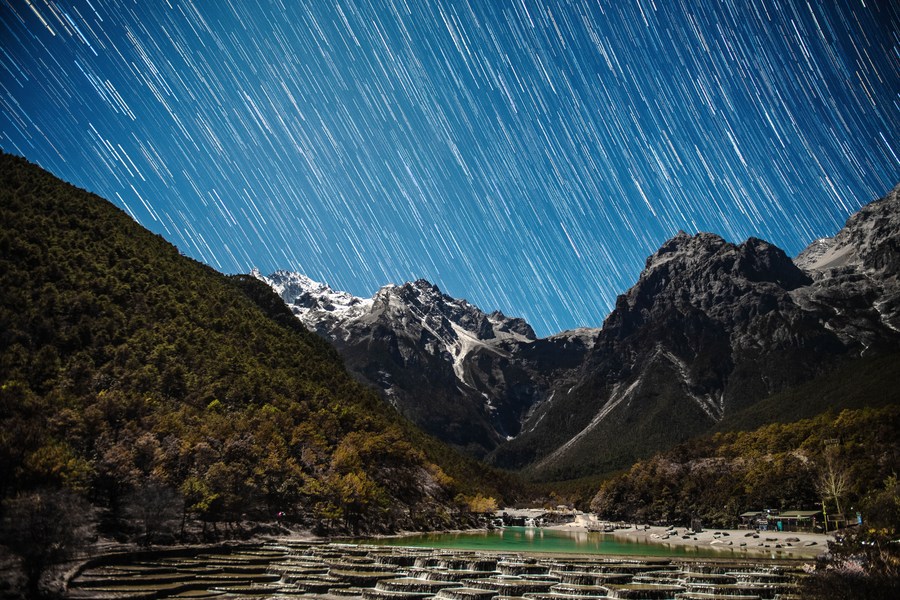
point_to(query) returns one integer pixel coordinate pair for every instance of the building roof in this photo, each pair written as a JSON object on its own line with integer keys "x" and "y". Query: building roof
{"x": 798, "y": 514}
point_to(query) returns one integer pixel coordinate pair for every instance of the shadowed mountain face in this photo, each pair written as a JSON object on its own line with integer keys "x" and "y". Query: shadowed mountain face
{"x": 709, "y": 329}
{"x": 467, "y": 377}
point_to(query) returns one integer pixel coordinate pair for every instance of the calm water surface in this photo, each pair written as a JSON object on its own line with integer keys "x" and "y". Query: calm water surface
{"x": 532, "y": 539}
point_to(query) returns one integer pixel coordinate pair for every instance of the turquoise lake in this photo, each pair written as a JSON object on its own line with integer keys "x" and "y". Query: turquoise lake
{"x": 531, "y": 539}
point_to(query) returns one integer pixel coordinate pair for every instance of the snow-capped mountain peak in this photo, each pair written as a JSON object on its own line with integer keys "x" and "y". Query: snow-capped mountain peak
{"x": 311, "y": 300}
{"x": 411, "y": 338}
{"x": 414, "y": 308}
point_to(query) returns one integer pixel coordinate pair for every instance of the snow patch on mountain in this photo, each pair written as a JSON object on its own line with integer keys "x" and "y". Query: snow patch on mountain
{"x": 616, "y": 397}
{"x": 713, "y": 407}
{"x": 456, "y": 327}
{"x": 312, "y": 301}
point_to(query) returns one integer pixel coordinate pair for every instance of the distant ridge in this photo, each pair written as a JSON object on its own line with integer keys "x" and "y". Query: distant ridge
{"x": 709, "y": 330}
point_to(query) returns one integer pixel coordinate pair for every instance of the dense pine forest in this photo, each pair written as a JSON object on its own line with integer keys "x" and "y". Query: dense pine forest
{"x": 147, "y": 383}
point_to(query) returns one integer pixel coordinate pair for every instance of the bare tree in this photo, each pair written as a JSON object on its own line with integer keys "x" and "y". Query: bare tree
{"x": 834, "y": 478}
{"x": 43, "y": 528}
{"x": 156, "y": 508}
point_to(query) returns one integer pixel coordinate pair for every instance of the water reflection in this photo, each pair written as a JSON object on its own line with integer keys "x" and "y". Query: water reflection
{"x": 534, "y": 539}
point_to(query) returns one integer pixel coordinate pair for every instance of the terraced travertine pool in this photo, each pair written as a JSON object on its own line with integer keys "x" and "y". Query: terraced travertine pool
{"x": 282, "y": 569}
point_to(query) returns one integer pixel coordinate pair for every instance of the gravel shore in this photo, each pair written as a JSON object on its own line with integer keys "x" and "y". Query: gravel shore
{"x": 774, "y": 544}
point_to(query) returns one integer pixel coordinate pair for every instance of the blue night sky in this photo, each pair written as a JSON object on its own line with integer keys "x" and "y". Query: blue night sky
{"x": 527, "y": 156}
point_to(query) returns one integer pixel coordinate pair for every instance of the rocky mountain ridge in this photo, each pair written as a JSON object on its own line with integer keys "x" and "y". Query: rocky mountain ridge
{"x": 709, "y": 329}
{"x": 442, "y": 362}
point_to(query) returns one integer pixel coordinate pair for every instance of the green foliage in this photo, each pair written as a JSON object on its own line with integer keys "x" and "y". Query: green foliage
{"x": 779, "y": 466}
{"x": 123, "y": 362}
{"x": 858, "y": 383}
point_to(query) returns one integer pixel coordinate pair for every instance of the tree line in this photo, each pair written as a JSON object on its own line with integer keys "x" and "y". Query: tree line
{"x": 180, "y": 404}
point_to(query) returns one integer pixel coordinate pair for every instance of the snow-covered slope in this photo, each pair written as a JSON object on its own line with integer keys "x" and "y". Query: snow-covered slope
{"x": 468, "y": 377}
{"x": 868, "y": 242}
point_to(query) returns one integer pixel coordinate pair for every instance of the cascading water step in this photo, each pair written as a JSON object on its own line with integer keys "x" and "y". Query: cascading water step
{"x": 411, "y": 584}
{"x": 568, "y": 589}
{"x": 509, "y": 586}
{"x": 465, "y": 593}
{"x": 362, "y": 578}
{"x": 344, "y": 565}
{"x": 373, "y": 594}
{"x": 439, "y": 574}
{"x": 555, "y": 596}
{"x": 522, "y": 569}
{"x": 642, "y": 591}
{"x": 583, "y": 578}
{"x": 397, "y": 560}
{"x": 347, "y": 593}
{"x": 703, "y": 596}
{"x": 732, "y": 589}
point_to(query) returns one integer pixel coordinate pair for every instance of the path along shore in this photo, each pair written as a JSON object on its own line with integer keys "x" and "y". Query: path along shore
{"x": 774, "y": 544}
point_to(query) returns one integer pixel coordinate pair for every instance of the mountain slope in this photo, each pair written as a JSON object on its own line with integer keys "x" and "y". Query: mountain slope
{"x": 710, "y": 329}
{"x": 123, "y": 363}
{"x": 467, "y": 377}
{"x": 779, "y": 466}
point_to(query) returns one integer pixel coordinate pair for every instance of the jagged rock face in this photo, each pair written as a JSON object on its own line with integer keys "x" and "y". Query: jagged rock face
{"x": 869, "y": 242}
{"x": 464, "y": 376}
{"x": 856, "y": 290}
{"x": 710, "y": 328}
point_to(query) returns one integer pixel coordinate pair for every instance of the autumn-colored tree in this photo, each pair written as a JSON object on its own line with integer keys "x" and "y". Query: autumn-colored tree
{"x": 833, "y": 480}
{"x": 480, "y": 504}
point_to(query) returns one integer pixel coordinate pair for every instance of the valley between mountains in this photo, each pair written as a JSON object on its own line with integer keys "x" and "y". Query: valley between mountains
{"x": 707, "y": 334}
{"x": 147, "y": 399}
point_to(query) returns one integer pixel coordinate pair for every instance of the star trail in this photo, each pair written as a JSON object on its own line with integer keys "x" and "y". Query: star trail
{"x": 527, "y": 156}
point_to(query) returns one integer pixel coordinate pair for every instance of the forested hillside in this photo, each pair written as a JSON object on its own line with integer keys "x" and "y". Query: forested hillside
{"x": 138, "y": 378}
{"x": 848, "y": 461}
